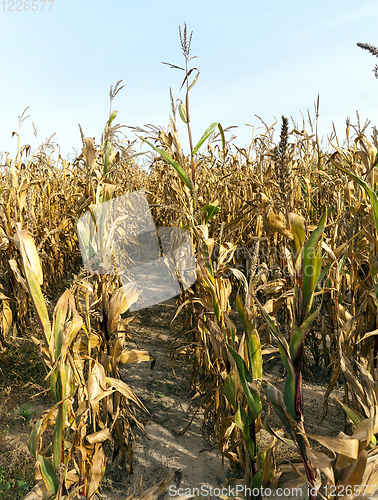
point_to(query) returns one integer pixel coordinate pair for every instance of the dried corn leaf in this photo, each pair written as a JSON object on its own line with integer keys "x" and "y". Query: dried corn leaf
{"x": 99, "y": 436}
{"x": 126, "y": 391}
{"x": 322, "y": 462}
{"x": 135, "y": 356}
{"x": 27, "y": 248}
{"x": 344, "y": 445}
{"x": 121, "y": 301}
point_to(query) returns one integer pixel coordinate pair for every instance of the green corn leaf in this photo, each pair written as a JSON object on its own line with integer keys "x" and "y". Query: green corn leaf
{"x": 230, "y": 389}
{"x": 210, "y": 211}
{"x": 352, "y": 414}
{"x": 289, "y": 395}
{"x": 312, "y": 260}
{"x": 253, "y": 342}
{"x": 49, "y": 475}
{"x": 112, "y": 116}
{"x": 181, "y": 172}
{"x": 277, "y": 401}
{"x": 282, "y": 343}
{"x": 32, "y": 442}
{"x": 257, "y": 480}
{"x": 58, "y": 437}
{"x": 107, "y": 155}
{"x": 267, "y": 427}
{"x": 267, "y": 466}
{"x": 54, "y": 383}
{"x": 250, "y": 445}
{"x": 298, "y": 228}
{"x": 355, "y": 417}
{"x": 207, "y": 134}
{"x": 221, "y": 131}
{"x": 182, "y": 112}
{"x": 233, "y": 332}
{"x": 242, "y": 421}
{"x": 252, "y": 397}
{"x": 216, "y": 305}
{"x": 323, "y": 274}
{"x": 342, "y": 260}
{"x": 207, "y": 261}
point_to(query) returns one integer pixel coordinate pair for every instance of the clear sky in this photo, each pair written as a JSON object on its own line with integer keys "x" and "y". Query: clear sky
{"x": 266, "y": 58}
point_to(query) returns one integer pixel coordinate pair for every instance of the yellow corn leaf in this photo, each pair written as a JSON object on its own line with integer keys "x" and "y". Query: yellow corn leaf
{"x": 368, "y": 427}
{"x": 6, "y": 318}
{"x": 371, "y": 469}
{"x": 27, "y": 248}
{"x": 271, "y": 287}
{"x": 96, "y": 382}
{"x": 67, "y": 323}
{"x": 126, "y": 391}
{"x": 154, "y": 492}
{"x": 71, "y": 478}
{"x": 121, "y": 302}
{"x": 134, "y": 356}
{"x": 298, "y": 228}
{"x": 274, "y": 224}
{"x": 228, "y": 425}
{"x": 89, "y": 152}
{"x": 82, "y": 343}
{"x": 117, "y": 347}
{"x": 328, "y": 250}
{"x": 22, "y": 190}
{"x": 37, "y": 298}
{"x": 97, "y": 471}
{"x": 4, "y": 243}
{"x": 368, "y": 334}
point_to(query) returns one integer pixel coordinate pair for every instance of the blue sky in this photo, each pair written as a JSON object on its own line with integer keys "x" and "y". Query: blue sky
{"x": 266, "y": 58}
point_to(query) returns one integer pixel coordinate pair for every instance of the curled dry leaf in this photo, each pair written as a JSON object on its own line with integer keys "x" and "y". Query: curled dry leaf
{"x": 135, "y": 356}
{"x": 99, "y": 436}
{"x": 274, "y": 224}
{"x": 121, "y": 301}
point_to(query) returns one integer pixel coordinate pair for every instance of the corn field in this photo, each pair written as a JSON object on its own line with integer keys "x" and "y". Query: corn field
{"x": 284, "y": 236}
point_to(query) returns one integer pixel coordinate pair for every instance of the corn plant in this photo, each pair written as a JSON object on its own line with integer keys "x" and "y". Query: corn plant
{"x": 77, "y": 377}
{"x": 289, "y": 405}
{"x": 248, "y": 360}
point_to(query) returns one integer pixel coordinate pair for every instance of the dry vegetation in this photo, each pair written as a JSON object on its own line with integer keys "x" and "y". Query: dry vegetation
{"x": 259, "y": 218}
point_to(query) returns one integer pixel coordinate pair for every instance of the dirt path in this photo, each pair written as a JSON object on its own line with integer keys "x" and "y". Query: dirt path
{"x": 166, "y": 394}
